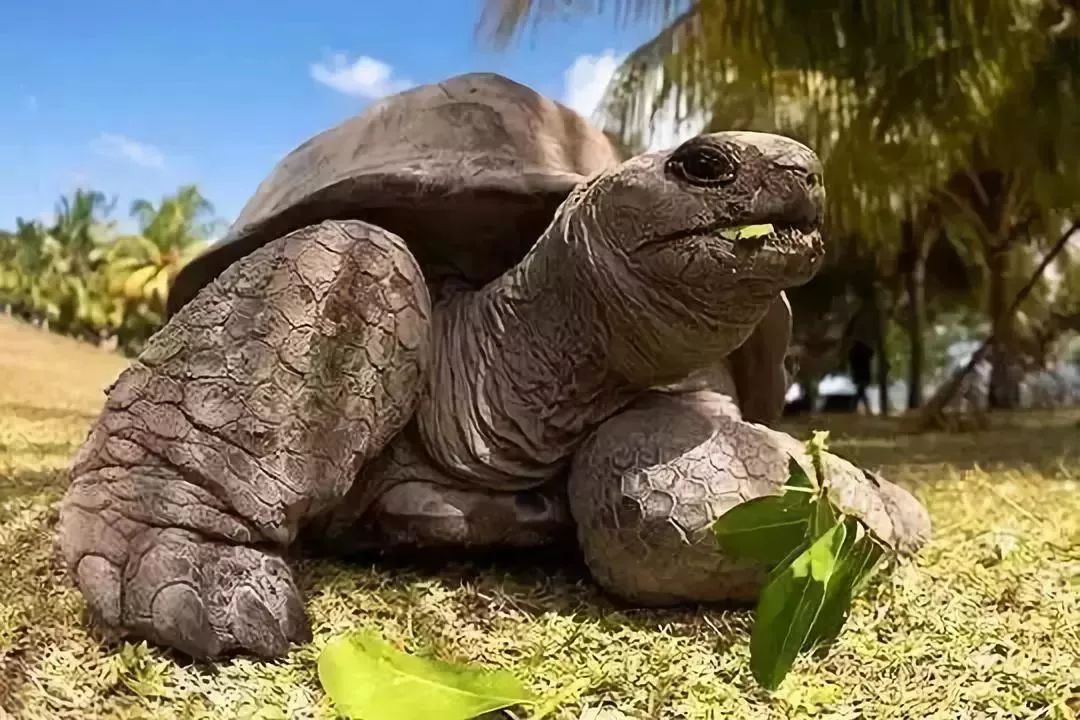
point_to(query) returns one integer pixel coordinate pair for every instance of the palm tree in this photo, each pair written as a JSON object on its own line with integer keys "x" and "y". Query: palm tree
{"x": 24, "y": 261}
{"x": 9, "y": 275}
{"x": 928, "y": 114}
{"x": 81, "y": 227}
{"x": 78, "y": 277}
{"x": 140, "y": 267}
{"x": 75, "y": 247}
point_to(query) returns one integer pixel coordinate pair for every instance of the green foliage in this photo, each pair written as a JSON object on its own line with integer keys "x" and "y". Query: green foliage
{"x": 82, "y": 278}
{"x": 369, "y": 679}
{"x": 897, "y": 97}
{"x": 745, "y": 232}
{"x": 789, "y": 606}
{"x": 819, "y": 559}
{"x": 767, "y": 528}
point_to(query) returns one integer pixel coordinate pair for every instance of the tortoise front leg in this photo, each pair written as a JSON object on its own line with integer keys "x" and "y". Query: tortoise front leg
{"x": 646, "y": 488}
{"x": 249, "y": 413}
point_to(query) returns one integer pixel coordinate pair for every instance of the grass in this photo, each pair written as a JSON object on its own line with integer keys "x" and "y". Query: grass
{"x": 985, "y": 624}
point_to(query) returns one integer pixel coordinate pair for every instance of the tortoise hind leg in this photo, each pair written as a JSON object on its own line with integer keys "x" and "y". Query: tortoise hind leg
{"x": 647, "y": 486}
{"x": 248, "y": 414}
{"x": 425, "y": 514}
{"x": 404, "y": 501}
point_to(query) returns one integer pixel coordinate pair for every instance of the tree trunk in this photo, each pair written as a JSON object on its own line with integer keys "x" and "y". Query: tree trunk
{"x": 912, "y": 265}
{"x": 877, "y": 297}
{"x": 1004, "y": 373}
{"x": 932, "y": 414}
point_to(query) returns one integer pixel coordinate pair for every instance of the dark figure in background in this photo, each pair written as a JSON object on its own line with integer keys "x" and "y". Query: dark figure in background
{"x": 860, "y": 358}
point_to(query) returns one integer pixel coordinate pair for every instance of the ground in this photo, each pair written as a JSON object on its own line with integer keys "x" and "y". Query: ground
{"x": 985, "y": 623}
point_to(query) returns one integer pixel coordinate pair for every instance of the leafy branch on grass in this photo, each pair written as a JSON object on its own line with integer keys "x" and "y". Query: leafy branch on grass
{"x": 820, "y": 559}
{"x": 819, "y": 556}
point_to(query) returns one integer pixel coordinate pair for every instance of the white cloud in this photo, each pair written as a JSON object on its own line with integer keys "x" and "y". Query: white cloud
{"x": 363, "y": 77}
{"x": 133, "y": 151}
{"x": 586, "y": 80}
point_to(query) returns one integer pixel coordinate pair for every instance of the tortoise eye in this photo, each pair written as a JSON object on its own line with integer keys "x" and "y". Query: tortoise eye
{"x": 703, "y": 164}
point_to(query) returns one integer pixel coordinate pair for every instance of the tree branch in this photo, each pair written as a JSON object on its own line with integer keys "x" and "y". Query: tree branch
{"x": 933, "y": 410}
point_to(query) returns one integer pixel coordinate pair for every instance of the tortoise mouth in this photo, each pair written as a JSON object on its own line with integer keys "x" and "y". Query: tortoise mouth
{"x": 767, "y": 257}
{"x": 778, "y": 244}
{"x": 784, "y": 252}
{"x": 786, "y": 259}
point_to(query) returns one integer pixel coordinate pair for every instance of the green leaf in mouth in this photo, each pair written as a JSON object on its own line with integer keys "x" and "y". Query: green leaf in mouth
{"x": 745, "y": 232}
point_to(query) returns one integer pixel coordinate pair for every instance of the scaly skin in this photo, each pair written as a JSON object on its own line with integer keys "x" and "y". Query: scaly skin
{"x": 631, "y": 287}
{"x": 250, "y": 412}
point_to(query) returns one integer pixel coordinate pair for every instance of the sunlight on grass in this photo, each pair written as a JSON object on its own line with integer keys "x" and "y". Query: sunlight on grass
{"x": 986, "y": 623}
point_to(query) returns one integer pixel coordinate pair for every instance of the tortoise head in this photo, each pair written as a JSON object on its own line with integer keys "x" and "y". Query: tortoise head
{"x": 690, "y": 246}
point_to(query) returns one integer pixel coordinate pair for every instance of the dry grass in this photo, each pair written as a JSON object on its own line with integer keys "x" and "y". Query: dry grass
{"x": 985, "y": 624}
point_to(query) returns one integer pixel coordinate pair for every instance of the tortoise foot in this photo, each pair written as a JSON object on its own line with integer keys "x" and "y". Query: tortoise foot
{"x": 646, "y": 489}
{"x": 203, "y": 597}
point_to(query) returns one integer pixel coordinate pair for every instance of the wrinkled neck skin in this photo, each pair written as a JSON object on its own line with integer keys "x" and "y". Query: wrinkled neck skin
{"x": 525, "y": 368}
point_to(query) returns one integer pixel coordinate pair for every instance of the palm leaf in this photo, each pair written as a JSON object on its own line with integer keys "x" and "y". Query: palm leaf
{"x": 135, "y": 284}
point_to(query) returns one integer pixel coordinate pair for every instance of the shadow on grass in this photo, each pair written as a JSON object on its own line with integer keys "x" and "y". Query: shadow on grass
{"x": 35, "y": 484}
{"x": 532, "y": 582}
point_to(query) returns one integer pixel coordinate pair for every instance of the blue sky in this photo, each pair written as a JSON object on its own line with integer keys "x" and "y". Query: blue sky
{"x": 136, "y": 98}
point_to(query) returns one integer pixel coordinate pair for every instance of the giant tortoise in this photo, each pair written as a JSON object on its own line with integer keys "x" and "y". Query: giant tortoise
{"x": 459, "y": 319}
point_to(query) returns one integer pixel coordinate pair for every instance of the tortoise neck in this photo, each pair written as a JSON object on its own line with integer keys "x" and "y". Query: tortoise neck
{"x": 521, "y": 373}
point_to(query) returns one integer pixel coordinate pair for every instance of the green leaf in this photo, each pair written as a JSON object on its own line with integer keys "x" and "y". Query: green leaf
{"x": 782, "y": 566}
{"x": 367, "y": 678}
{"x": 858, "y": 557}
{"x": 744, "y": 232}
{"x": 798, "y": 476}
{"x": 789, "y": 607}
{"x": 822, "y": 517}
{"x": 136, "y": 281}
{"x": 766, "y": 528}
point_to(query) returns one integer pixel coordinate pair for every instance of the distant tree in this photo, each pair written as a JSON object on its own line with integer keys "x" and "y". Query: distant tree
{"x": 79, "y": 277}
{"x": 140, "y": 267}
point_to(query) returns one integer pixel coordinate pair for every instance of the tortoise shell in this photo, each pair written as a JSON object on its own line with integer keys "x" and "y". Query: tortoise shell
{"x": 469, "y": 172}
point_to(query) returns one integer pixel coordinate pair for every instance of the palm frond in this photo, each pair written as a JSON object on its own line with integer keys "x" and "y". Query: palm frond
{"x": 503, "y": 21}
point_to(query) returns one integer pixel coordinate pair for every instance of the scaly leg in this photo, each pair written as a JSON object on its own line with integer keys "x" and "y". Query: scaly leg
{"x": 402, "y": 500}
{"x": 249, "y": 413}
{"x": 646, "y": 488}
